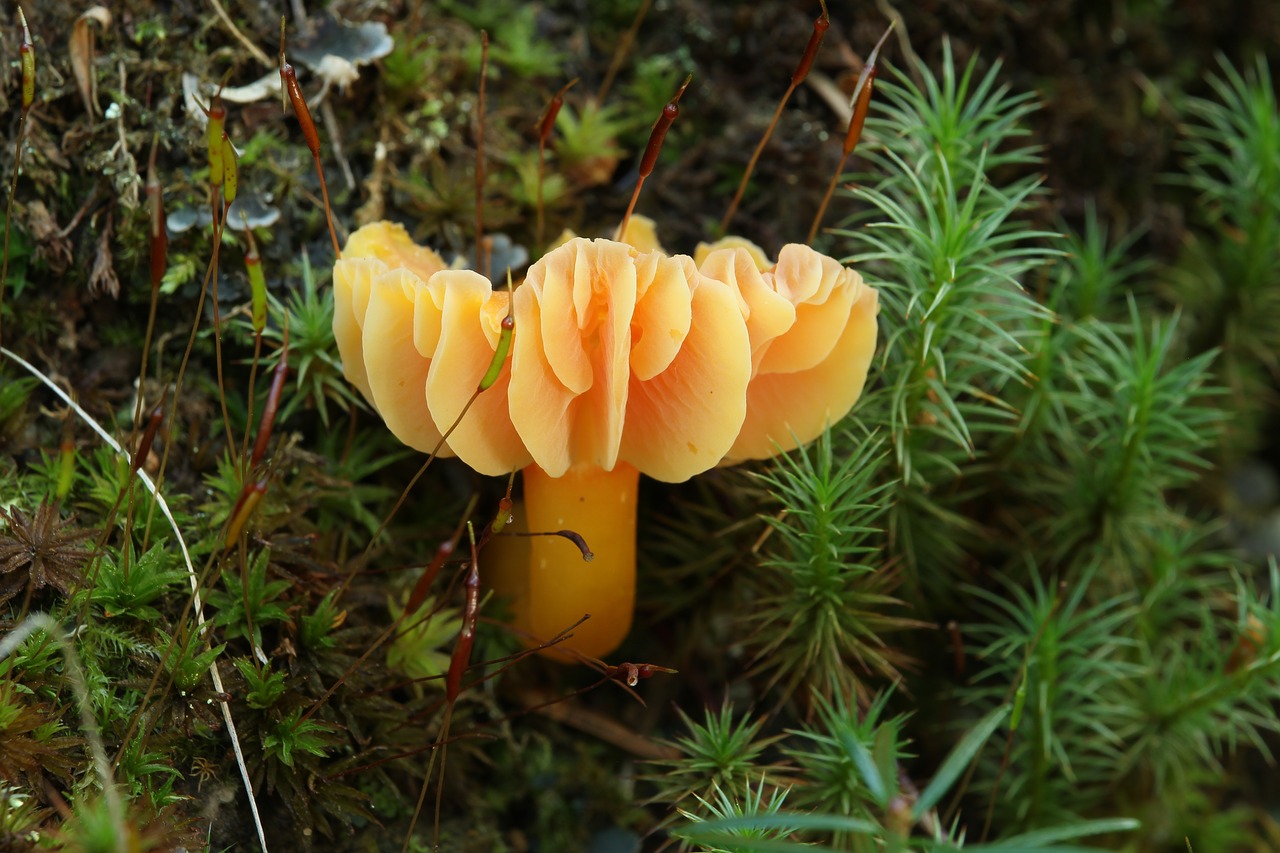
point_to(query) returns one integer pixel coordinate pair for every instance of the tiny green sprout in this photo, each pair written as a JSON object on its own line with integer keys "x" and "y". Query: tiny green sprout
{"x": 587, "y": 146}
{"x": 315, "y": 630}
{"x": 146, "y": 769}
{"x": 188, "y": 669}
{"x": 247, "y": 604}
{"x": 723, "y": 807}
{"x": 849, "y": 758}
{"x": 257, "y": 282}
{"x": 719, "y": 751}
{"x": 418, "y": 650}
{"x": 312, "y": 352}
{"x": 504, "y": 340}
{"x": 293, "y": 735}
{"x": 128, "y": 587}
{"x": 263, "y": 688}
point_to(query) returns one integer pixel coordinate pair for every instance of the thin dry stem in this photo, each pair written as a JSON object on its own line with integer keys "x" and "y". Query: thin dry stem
{"x": 624, "y": 48}
{"x": 254, "y": 51}
{"x": 482, "y": 257}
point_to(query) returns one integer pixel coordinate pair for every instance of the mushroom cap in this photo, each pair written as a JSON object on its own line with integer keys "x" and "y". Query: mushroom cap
{"x": 812, "y": 325}
{"x": 627, "y": 355}
{"x": 621, "y": 353}
{"x": 390, "y": 243}
{"x": 416, "y": 338}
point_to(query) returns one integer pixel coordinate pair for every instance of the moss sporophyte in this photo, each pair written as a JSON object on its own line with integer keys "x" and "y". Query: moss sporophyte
{"x": 624, "y": 360}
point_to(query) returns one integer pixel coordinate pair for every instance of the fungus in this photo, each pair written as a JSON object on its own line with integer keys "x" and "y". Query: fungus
{"x": 335, "y": 49}
{"x": 625, "y": 360}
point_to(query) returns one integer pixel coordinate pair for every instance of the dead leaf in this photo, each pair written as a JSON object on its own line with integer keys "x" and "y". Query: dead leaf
{"x": 51, "y": 245}
{"x": 102, "y": 277}
{"x": 82, "y": 56}
{"x": 46, "y": 150}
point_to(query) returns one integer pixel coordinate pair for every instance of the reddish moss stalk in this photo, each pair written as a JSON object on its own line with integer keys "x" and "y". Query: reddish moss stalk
{"x": 650, "y": 157}
{"x": 289, "y": 83}
{"x": 545, "y": 125}
{"x": 820, "y": 27}
{"x": 148, "y": 437}
{"x": 861, "y": 103}
{"x": 159, "y": 239}
{"x": 278, "y": 377}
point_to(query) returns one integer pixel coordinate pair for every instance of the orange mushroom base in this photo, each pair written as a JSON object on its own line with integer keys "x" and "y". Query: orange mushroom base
{"x": 550, "y": 584}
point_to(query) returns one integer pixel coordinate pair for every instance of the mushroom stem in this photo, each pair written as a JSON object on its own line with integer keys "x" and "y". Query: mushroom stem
{"x": 600, "y": 506}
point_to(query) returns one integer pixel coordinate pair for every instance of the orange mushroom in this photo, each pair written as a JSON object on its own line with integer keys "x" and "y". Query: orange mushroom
{"x": 625, "y": 360}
